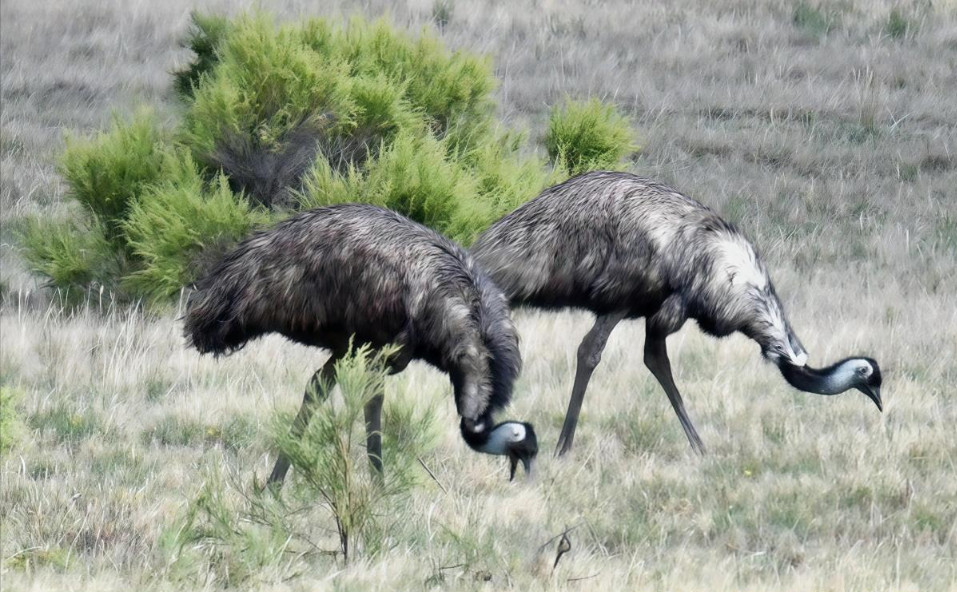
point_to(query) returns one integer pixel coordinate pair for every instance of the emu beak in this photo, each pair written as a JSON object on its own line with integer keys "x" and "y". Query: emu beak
{"x": 528, "y": 463}
{"x": 874, "y": 393}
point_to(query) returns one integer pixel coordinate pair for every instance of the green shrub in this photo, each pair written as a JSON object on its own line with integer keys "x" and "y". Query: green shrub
{"x": 413, "y": 176}
{"x": 107, "y": 173}
{"x": 180, "y": 226}
{"x": 265, "y": 84}
{"x": 505, "y": 178}
{"x": 73, "y": 253}
{"x": 302, "y": 115}
{"x": 235, "y": 533}
{"x": 453, "y": 91}
{"x": 587, "y": 135}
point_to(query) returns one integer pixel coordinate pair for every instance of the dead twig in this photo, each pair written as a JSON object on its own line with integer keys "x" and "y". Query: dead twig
{"x": 557, "y": 536}
{"x": 431, "y": 474}
{"x": 564, "y": 546}
{"x": 594, "y": 575}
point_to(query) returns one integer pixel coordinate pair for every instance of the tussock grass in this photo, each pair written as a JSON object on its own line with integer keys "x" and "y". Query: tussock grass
{"x": 795, "y": 489}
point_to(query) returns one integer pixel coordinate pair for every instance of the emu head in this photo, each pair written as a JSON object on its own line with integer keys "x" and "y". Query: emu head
{"x": 861, "y": 373}
{"x": 514, "y": 439}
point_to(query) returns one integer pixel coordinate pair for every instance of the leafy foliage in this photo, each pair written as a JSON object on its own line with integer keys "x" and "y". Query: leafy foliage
{"x": 73, "y": 253}
{"x": 240, "y": 532}
{"x": 107, "y": 173}
{"x": 206, "y": 32}
{"x": 587, "y": 135}
{"x": 181, "y": 226}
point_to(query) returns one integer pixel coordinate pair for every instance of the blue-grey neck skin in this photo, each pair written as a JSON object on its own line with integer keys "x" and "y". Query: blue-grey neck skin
{"x": 861, "y": 373}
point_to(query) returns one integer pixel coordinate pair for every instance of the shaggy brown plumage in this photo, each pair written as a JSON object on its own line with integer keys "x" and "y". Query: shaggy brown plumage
{"x": 626, "y": 247}
{"x": 372, "y": 275}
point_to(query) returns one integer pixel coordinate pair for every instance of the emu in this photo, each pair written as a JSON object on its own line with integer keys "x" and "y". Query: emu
{"x": 626, "y": 247}
{"x": 367, "y": 274}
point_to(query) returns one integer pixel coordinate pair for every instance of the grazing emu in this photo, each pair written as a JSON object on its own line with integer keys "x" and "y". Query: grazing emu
{"x": 625, "y": 247}
{"x": 369, "y": 274}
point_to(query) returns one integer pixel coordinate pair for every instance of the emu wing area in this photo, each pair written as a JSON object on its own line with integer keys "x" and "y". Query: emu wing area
{"x": 318, "y": 279}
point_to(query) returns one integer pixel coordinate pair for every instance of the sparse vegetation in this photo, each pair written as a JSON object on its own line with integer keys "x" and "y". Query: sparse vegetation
{"x": 843, "y": 181}
{"x": 330, "y": 464}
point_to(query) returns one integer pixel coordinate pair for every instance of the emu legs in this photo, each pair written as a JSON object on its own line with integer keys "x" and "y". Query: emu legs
{"x": 589, "y": 354}
{"x": 373, "y": 414}
{"x": 319, "y": 386}
{"x": 656, "y": 358}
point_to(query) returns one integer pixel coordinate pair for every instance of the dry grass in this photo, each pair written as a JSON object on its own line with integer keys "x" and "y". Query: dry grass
{"x": 828, "y": 134}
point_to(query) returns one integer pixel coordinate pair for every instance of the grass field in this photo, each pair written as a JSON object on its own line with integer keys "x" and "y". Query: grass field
{"x": 827, "y": 132}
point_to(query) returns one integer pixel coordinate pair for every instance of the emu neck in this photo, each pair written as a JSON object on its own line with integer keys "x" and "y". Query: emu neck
{"x": 824, "y": 381}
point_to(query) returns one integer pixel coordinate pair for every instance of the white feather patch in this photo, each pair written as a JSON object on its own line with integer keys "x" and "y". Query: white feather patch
{"x": 740, "y": 263}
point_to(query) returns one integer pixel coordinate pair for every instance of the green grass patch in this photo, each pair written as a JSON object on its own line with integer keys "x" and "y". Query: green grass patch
{"x": 11, "y": 422}
{"x": 66, "y": 424}
{"x": 234, "y": 434}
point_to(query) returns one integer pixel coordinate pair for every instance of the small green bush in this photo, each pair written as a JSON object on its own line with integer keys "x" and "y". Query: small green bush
{"x": 107, "y": 173}
{"x": 234, "y": 533}
{"x": 329, "y": 459}
{"x": 587, "y": 135}
{"x": 74, "y": 253}
{"x": 413, "y": 176}
{"x": 506, "y": 177}
{"x": 265, "y": 84}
